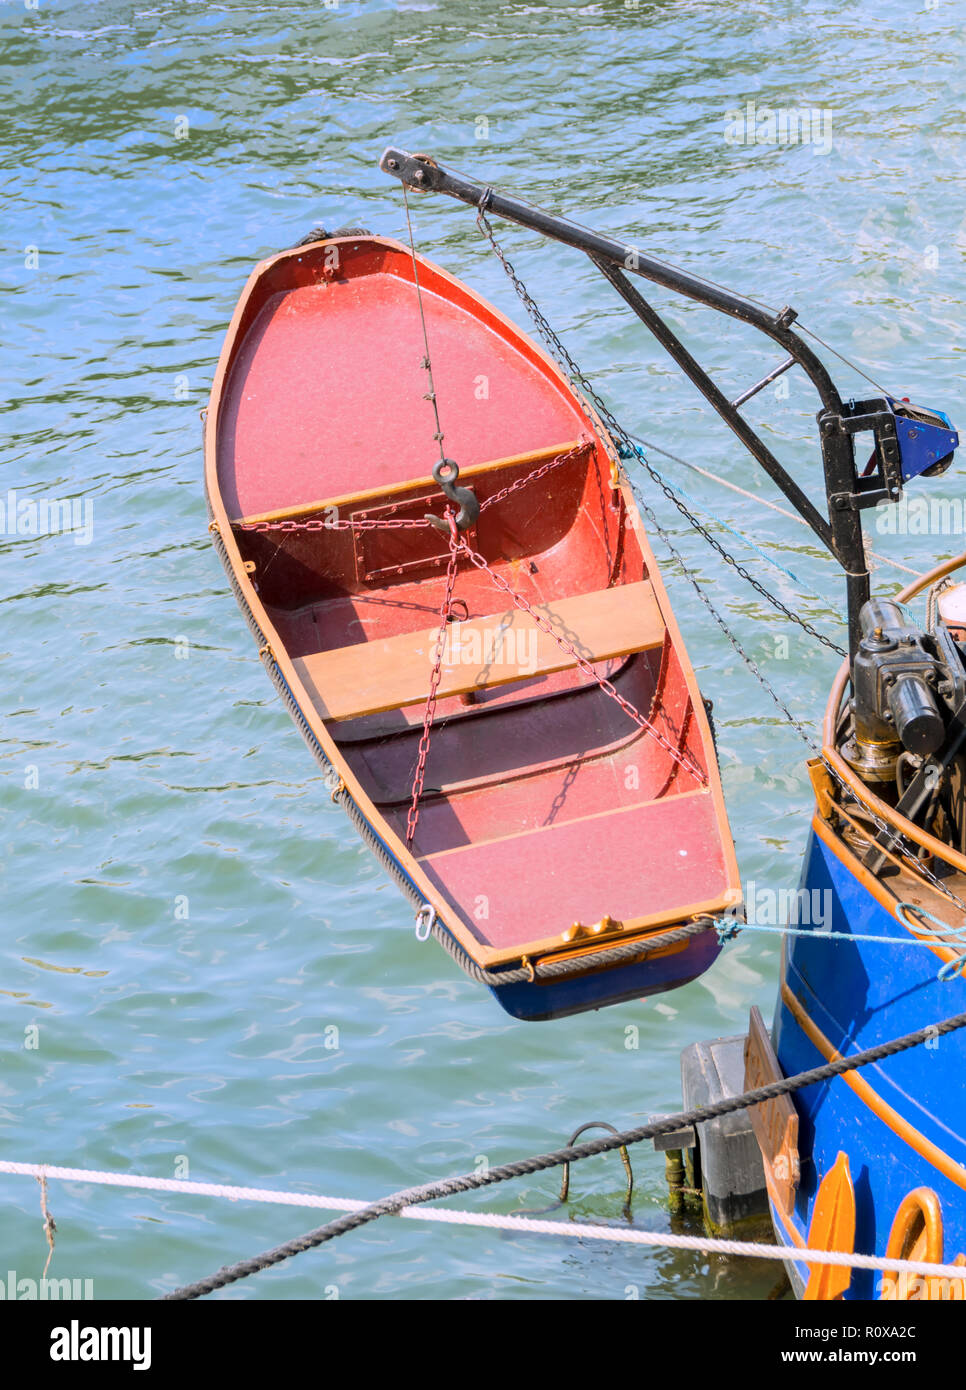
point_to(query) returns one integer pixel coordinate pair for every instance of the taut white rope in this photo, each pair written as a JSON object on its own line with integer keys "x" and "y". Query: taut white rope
{"x": 622, "y": 1235}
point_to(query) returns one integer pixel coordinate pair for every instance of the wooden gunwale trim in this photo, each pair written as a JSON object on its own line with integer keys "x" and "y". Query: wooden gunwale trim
{"x": 373, "y": 494}
{"x": 393, "y": 843}
{"x": 862, "y": 792}
{"x": 874, "y": 886}
{"x": 642, "y": 929}
{"x": 899, "y": 1125}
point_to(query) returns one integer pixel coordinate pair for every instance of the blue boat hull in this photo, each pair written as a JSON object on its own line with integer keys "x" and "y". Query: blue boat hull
{"x": 545, "y": 999}
{"x": 858, "y": 994}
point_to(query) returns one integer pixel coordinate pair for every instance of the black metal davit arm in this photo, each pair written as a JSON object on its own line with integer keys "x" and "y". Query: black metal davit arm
{"x": 846, "y": 493}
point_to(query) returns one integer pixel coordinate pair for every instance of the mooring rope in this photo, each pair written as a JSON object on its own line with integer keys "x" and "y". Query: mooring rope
{"x": 498, "y": 1221}
{"x": 940, "y": 934}
{"x": 467, "y": 1182}
{"x": 755, "y": 497}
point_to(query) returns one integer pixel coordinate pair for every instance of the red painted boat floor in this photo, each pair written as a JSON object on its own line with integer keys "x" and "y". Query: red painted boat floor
{"x": 622, "y": 863}
{"x": 326, "y": 397}
{"x": 585, "y": 786}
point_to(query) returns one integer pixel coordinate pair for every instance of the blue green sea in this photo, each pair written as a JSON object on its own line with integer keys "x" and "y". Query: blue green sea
{"x": 203, "y": 974}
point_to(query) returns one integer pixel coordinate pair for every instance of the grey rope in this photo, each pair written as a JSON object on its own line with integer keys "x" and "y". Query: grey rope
{"x": 557, "y": 969}
{"x": 426, "y": 361}
{"x": 467, "y": 1182}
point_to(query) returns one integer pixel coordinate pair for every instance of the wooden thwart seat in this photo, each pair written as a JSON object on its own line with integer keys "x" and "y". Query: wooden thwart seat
{"x": 388, "y": 491}
{"x": 390, "y": 672}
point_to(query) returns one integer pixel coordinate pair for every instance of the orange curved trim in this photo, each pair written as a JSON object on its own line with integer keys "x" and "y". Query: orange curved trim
{"x": 924, "y": 580}
{"x": 900, "y": 1126}
{"x": 874, "y": 886}
{"x": 922, "y": 1205}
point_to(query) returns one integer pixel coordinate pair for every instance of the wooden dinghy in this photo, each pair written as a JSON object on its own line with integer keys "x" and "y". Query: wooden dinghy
{"x": 537, "y": 772}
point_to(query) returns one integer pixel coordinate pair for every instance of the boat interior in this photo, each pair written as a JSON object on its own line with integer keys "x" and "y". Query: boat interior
{"x": 525, "y": 737}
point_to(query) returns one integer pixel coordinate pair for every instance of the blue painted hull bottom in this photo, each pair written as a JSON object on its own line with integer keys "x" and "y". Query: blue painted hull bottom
{"x": 546, "y": 999}
{"x": 859, "y": 995}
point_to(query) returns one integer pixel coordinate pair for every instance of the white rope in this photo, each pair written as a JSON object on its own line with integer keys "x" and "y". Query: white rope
{"x": 622, "y": 1235}
{"x": 762, "y": 501}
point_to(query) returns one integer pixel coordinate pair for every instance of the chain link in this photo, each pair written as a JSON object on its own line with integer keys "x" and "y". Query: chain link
{"x": 568, "y": 647}
{"x": 896, "y": 841}
{"x": 622, "y": 438}
{"x": 332, "y": 524}
{"x": 565, "y": 359}
{"x": 429, "y": 712}
{"x": 415, "y": 524}
{"x": 726, "y": 555}
{"x": 532, "y": 477}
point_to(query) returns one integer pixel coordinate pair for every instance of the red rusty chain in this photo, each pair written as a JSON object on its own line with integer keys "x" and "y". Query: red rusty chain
{"x": 324, "y": 524}
{"x": 606, "y": 686}
{"x": 532, "y": 477}
{"x": 457, "y": 547}
{"x": 430, "y": 710}
{"x": 329, "y": 524}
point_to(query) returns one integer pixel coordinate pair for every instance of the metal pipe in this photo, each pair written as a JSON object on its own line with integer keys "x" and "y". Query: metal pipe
{"x": 842, "y": 531}
{"x": 765, "y": 381}
{"x": 424, "y": 174}
{"x": 696, "y": 373}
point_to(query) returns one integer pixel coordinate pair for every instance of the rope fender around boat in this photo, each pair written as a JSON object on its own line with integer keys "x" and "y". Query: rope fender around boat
{"x": 467, "y": 1182}
{"x": 551, "y": 969}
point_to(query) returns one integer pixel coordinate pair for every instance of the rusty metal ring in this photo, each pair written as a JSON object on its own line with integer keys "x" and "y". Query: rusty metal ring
{"x": 597, "y": 1124}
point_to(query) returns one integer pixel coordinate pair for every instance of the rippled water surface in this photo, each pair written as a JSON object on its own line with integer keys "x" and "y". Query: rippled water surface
{"x": 203, "y": 972}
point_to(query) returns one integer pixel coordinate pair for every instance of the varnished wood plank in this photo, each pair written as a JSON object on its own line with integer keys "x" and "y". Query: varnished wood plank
{"x": 388, "y": 490}
{"x": 389, "y": 672}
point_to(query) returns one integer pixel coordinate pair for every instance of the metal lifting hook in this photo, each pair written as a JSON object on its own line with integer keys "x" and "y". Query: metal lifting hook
{"x": 446, "y": 473}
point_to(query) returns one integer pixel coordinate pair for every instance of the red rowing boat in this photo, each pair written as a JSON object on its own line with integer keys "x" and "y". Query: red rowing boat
{"x": 487, "y": 663}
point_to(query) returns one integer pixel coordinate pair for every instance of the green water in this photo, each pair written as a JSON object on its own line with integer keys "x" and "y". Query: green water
{"x": 203, "y": 973}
